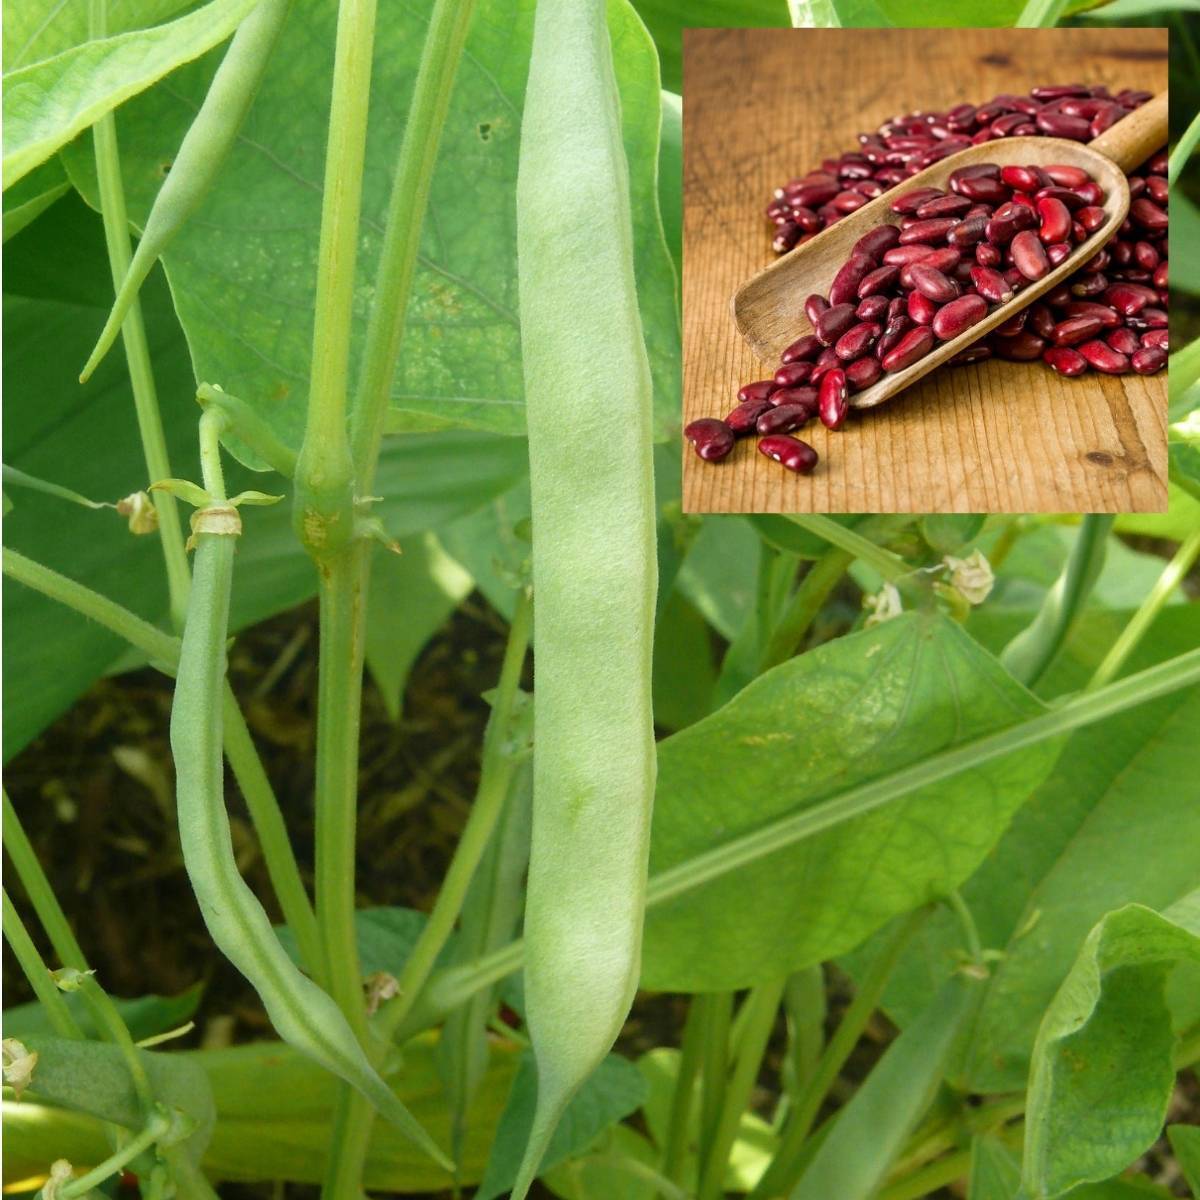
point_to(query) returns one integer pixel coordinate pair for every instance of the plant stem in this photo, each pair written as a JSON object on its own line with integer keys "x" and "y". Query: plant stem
{"x": 496, "y": 772}
{"x": 324, "y": 508}
{"x": 451, "y": 987}
{"x": 785, "y": 1167}
{"x": 820, "y": 580}
{"x": 137, "y": 350}
{"x": 163, "y": 651}
{"x": 402, "y": 234}
{"x": 82, "y": 1184}
{"x": 966, "y": 921}
{"x": 1039, "y": 13}
{"x": 891, "y": 566}
{"x": 1147, "y": 611}
{"x": 760, "y": 1008}
{"x": 1031, "y": 652}
{"x": 717, "y": 1009}
{"x": 1183, "y": 150}
{"x": 937, "y": 1175}
{"x": 34, "y": 968}
{"x": 676, "y": 1148}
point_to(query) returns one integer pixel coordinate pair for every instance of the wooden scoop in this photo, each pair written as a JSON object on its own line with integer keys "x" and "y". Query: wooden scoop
{"x": 769, "y": 309}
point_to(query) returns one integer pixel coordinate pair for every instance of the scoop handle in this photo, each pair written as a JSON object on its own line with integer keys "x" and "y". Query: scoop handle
{"x": 1134, "y": 138}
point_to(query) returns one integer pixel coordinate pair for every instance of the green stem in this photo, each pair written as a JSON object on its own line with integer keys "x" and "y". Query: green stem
{"x": 966, "y": 922}
{"x": 163, "y": 650}
{"x": 760, "y": 1008}
{"x": 714, "y": 1066}
{"x": 450, "y": 988}
{"x": 402, "y": 234}
{"x": 496, "y": 772}
{"x": 117, "y": 1161}
{"x": 137, "y": 350}
{"x": 781, "y": 1174}
{"x": 1147, "y": 612}
{"x": 929, "y": 1179}
{"x": 1031, "y": 652}
{"x": 324, "y": 513}
{"x": 34, "y": 968}
{"x": 822, "y": 577}
{"x": 891, "y": 566}
{"x": 1038, "y": 14}
{"x": 1183, "y": 150}
{"x": 675, "y": 1152}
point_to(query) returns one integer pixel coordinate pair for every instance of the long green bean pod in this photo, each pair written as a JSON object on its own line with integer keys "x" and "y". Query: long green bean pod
{"x": 588, "y": 399}
{"x": 202, "y": 153}
{"x": 302, "y": 1013}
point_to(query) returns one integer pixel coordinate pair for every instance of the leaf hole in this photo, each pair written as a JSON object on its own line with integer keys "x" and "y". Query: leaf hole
{"x": 484, "y": 129}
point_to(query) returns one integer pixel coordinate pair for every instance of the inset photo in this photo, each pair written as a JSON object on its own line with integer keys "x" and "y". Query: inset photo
{"x": 925, "y": 270}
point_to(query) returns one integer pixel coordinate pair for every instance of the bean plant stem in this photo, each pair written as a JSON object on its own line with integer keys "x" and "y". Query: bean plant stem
{"x": 891, "y": 566}
{"x": 163, "y": 651}
{"x": 454, "y": 985}
{"x": 679, "y": 1120}
{"x": 1147, "y": 612}
{"x": 1040, "y": 13}
{"x": 760, "y": 1008}
{"x": 402, "y": 234}
{"x": 785, "y": 1167}
{"x": 137, "y": 350}
{"x": 966, "y": 922}
{"x": 82, "y": 1184}
{"x": 34, "y": 968}
{"x": 1183, "y": 150}
{"x": 929, "y": 1179}
{"x": 820, "y": 580}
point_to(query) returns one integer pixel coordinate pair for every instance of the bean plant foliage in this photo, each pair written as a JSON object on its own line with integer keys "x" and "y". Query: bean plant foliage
{"x": 935, "y": 769}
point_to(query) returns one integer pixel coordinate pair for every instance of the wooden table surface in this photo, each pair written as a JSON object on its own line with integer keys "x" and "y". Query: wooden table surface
{"x": 764, "y": 106}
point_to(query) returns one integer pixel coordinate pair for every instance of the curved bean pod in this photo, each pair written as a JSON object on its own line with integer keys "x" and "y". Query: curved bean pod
{"x": 201, "y": 155}
{"x": 302, "y": 1013}
{"x": 588, "y": 399}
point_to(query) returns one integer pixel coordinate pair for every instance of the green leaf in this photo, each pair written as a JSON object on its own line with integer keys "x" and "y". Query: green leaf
{"x": 1185, "y": 1141}
{"x": 145, "y": 1016}
{"x": 950, "y": 532}
{"x": 1103, "y": 1070}
{"x": 872, "y": 1128}
{"x": 48, "y": 103}
{"x": 613, "y": 1091}
{"x": 412, "y": 596}
{"x": 718, "y": 574}
{"x": 849, "y": 711}
{"x": 995, "y": 1170}
{"x": 607, "y": 1169}
{"x": 386, "y": 937}
{"x": 1138, "y": 10}
{"x": 242, "y": 270}
{"x": 684, "y": 671}
{"x": 27, "y": 200}
{"x": 670, "y": 172}
{"x": 92, "y": 1078}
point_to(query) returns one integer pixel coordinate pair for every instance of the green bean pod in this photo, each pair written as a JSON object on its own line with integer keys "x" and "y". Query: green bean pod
{"x": 588, "y": 405}
{"x": 201, "y": 156}
{"x": 301, "y": 1012}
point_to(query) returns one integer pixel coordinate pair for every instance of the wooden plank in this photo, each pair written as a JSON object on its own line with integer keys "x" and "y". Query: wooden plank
{"x": 763, "y": 106}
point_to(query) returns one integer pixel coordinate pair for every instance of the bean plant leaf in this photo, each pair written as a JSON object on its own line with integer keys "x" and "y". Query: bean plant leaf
{"x": 412, "y": 596}
{"x": 1185, "y": 240}
{"x": 602, "y": 1171}
{"x": 144, "y": 1016}
{"x": 613, "y": 1091}
{"x": 386, "y": 937}
{"x": 849, "y": 711}
{"x": 995, "y": 1170}
{"x": 243, "y": 270}
{"x": 92, "y": 1078}
{"x": 1185, "y": 1141}
{"x": 1068, "y": 859}
{"x": 47, "y": 103}
{"x": 950, "y": 532}
{"x": 1120, "y": 11}
{"x": 1103, "y": 1070}
{"x": 25, "y": 201}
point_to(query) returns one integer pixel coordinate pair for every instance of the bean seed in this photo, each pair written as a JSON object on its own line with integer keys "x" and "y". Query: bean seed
{"x": 1104, "y": 358}
{"x": 913, "y": 345}
{"x": 832, "y": 399}
{"x": 958, "y": 316}
{"x": 712, "y": 439}
{"x": 791, "y": 452}
{"x": 1064, "y": 360}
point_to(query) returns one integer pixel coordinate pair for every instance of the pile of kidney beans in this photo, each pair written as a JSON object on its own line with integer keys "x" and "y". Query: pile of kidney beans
{"x": 953, "y": 256}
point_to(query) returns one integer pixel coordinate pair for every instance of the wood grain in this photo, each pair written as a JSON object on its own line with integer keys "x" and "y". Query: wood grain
{"x": 762, "y": 106}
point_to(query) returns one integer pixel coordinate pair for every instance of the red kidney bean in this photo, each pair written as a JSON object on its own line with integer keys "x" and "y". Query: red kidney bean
{"x": 1104, "y": 358}
{"x": 972, "y": 354}
{"x": 1014, "y": 325}
{"x": 712, "y": 439}
{"x": 873, "y": 243}
{"x": 833, "y": 322}
{"x": 805, "y": 347}
{"x": 790, "y": 452}
{"x": 797, "y": 395}
{"x": 787, "y": 237}
{"x": 882, "y": 279}
{"x": 757, "y": 391}
{"x": 849, "y": 276}
{"x": 873, "y": 308}
{"x": 1156, "y": 188}
{"x": 958, "y": 316}
{"x": 913, "y": 345}
{"x": 783, "y": 419}
{"x": 1056, "y": 91}
{"x": 987, "y": 255}
{"x": 833, "y": 401}
{"x": 1075, "y": 329}
{"x": 969, "y": 231}
{"x": 901, "y": 256}
{"x": 1056, "y": 220}
{"x": 1160, "y": 276}
{"x": 1155, "y": 318}
{"x": 1148, "y": 359}
{"x": 1029, "y": 255}
{"x": 1147, "y": 214}
{"x": 1146, "y": 256}
{"x": 1129, "y": 298}
{"x": 1109, "y": 317}
{"x": 1157, "y": 338}
{"x": 1023, "y": 179}
{"x": 1091, "y": 218}
{"x": 1064, "y": 360}
{"x": 1024, "y": 347}
{"x": 1091, "y": 283}
{"x": 1063, "y": 126}
{"x": 857, "y": 340}
{"x": 743, "y": 418}
{"x": 1072, "y": 200}
{"x": 921, "y": 309}
{"x": 1058, "y": 253}
{"x": 897, "y": 326}
{"x": 814, "y": 306}
{"x": 991, "y": 285}
{"x": 1123, "y": 340}
{"x": 793, "y": 374}
{"x": 911, "y": 201}
{"x": 1067, "y": 176}
{"x": 1041, "y": 320}
{"x": 928, "y": 232}
{"x": 943, "y": 206}
{"x": 990, "y": 191}
{"x": 862, "y": 372}
{"x": 929, "y": 281}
